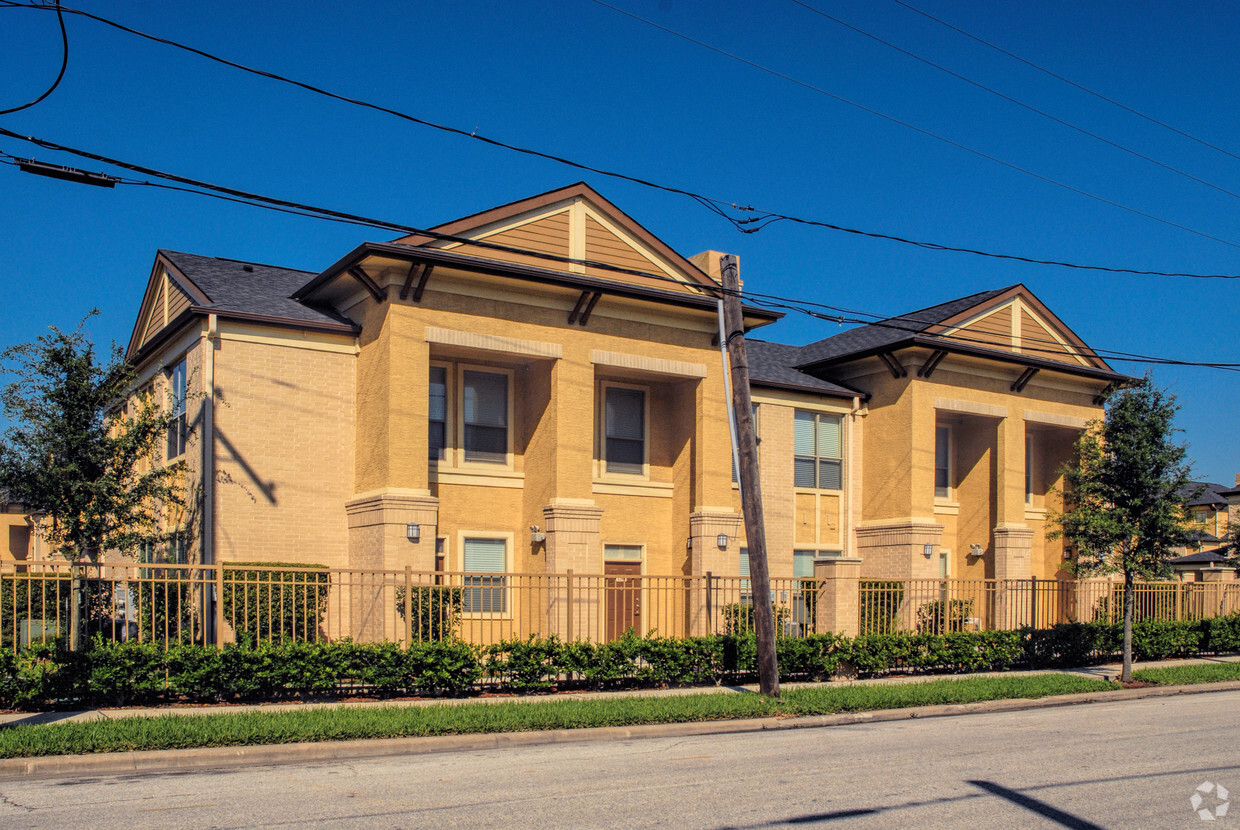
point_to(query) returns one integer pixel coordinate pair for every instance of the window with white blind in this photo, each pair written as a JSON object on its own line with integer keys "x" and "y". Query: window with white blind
{"x": 818, "y": 460}
{"x": 803, "y": 563}
{"x": 437, "y": 429}
{"x": 484, "y": 404}
{"x": 486, "y": 587}
{"x": 178, "y": 428}
{"x": 624, "y": 430}
{"x": 746, "y": 586}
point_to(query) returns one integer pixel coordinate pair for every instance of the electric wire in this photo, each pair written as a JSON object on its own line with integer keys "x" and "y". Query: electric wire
{"x": 64, "y": 64}
{"x": 760, "y": 218}
{"x": 922, "y": 130}
{"x": 1068, "y": 81}
{"x": 1018, "y": 102}
{"x": 904, "y": 323}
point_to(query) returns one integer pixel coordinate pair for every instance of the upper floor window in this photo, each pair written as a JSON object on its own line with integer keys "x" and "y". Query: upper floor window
{"x": 485, "y": 405}
{"x": 624, "y": 430}
{"x": 438, "y": 418}
{"x": 178, "y": 428}
{"x": 942, "y": 462}
{"x": 818, "y": 454}
{"x": 1028, "y": 469}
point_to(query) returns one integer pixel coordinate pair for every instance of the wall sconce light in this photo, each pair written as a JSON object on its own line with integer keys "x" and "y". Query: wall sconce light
{"x": 537, "y": 537}
{"x": 689, "y": 543}
{"x": 722, "y": 541}
{"x": 975, "y": 550}
{"x": 413, "y": 532}
{"x": 928, "y": 549}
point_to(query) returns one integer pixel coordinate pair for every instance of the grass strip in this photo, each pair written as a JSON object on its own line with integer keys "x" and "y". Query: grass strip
{"x": 1189, "y": 674}
{"x": 349, "y": 723}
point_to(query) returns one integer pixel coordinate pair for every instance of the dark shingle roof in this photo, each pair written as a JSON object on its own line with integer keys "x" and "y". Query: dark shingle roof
{"x": 889, "y": 331}
{"x": 1211, "y": 494}
{"x": 251, "y": 288}
{"x": 774, "y": 364}
{"x": 1205, "y": 557}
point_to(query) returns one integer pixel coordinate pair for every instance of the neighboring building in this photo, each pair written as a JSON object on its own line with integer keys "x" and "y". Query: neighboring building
{"x": 477, "y": 393}
{"x": 18, "y": 541}
{"x": 1211, "y": 508}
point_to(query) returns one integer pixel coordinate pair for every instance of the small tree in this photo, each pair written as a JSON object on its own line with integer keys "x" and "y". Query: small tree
{"x": 1122, "y": 501}
{"x": 82, "y": 447}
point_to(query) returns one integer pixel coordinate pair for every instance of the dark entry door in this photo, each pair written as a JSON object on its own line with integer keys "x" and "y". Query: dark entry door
{"x": 623, "y": 591}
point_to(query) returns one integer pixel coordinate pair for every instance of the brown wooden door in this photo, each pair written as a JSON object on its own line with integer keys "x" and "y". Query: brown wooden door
{"x": 623, "y": 597}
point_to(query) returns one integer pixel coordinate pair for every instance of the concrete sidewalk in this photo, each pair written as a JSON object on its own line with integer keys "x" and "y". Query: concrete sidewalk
{"x": 1105, "y": 671}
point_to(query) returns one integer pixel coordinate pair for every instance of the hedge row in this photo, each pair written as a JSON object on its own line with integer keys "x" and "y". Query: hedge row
{"x": 129, "y": 673}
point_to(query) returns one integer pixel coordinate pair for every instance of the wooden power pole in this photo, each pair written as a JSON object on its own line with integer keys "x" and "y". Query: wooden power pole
{"x": 747, "y": 476}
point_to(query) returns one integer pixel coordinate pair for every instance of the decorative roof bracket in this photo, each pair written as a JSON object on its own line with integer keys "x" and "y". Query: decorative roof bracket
{"x": 893, "y": 365}
{"x": 930, "y": 365}
{"x": 420, "y": 271}
{"x": 585, "y": 304}
{"x": 366, "y": 280}
{"x": 1025, "y": 377}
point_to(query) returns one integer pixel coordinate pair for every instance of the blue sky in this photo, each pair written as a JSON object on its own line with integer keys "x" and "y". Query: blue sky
{"x": 577, "y": 79}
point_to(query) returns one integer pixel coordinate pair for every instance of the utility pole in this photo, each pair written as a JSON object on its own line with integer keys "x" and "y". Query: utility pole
{"x": 747, "y": 475}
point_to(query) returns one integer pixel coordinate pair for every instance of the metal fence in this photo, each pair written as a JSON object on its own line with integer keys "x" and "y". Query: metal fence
{"x": 943, "y": 605}
{"x": 219, "y": 604}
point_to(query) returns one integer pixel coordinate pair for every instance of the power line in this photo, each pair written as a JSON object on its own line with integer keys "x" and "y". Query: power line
{"x": 911, "y": 126}
{"x": 1017, "y": 102}
{"x": 774, "y": 301}
{"x": 757, "y": 220}
{"x": 1068, "y": 81}
{"x": 64, "y": 64}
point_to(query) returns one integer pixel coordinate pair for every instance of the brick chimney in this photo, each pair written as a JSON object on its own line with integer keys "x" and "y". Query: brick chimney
{"x": 708, "y": 261}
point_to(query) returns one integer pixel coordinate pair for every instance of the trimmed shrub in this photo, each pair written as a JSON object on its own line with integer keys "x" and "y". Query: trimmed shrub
{"x": 435, "y": 610}
{"x": 881, "y": 601}
{"x": 272, "y": 606}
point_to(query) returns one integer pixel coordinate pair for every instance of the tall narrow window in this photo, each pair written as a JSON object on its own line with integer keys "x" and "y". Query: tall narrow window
{"x": 486, "y": 588}
{"x": 942, "y": 462}
{"x": 1028, "y": 469}
{"x": 438, "y": 420}
{"x": 818, "y": 459}
{"x": 485, "y": 402}
{"x": 178, "y": 428}
{"x": 746, "y": 585}
{"x": 624, "y": 430}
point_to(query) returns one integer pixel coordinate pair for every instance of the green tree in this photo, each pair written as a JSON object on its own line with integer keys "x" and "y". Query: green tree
{"x": 1122, "y": 502}
{"x": 82, "y": 448}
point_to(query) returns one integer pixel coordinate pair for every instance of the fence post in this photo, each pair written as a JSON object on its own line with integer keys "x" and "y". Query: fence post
{"x": 710, "y": 596}
{"x": 568, "y": 601}
{"x": 1033, "y": 602}
{"x": 219, "y": 604}
{"x": 1179, "y": 600}
{"x": 409, "y": 606}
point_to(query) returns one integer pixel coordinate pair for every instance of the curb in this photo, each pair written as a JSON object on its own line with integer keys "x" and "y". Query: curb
{"x": 172, "y": 760}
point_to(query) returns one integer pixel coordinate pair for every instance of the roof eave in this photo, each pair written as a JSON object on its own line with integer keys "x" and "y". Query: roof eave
{"x": 845, "y": 392}
{"x": 938, "y": 343}
{"x": 532, "y": 273}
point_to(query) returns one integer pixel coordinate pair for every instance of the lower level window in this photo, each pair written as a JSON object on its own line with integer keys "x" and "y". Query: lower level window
{"x": 486, "y": 586}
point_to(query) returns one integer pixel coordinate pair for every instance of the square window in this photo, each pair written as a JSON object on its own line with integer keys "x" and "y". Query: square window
{"x": 486, "y": 586}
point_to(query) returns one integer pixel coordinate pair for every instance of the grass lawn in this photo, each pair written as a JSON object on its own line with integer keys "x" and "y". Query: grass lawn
{"x": 1195, "y": 673}
{"x": 345, "y": 723}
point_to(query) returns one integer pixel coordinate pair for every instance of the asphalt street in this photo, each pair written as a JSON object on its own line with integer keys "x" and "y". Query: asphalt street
{"x": 1124, "y": 764}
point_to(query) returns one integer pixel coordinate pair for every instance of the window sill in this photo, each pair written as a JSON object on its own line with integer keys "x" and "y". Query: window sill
{"x": 1038, "y": 513}
{"x": 946, "y": 508}
{"x": 478, "y": 477}
{"x": 812, "y": 490}
{"x": 621, "y": 487}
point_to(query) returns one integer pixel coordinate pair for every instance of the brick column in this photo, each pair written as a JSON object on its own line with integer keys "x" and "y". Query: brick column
{"x": 1013, "y": 561}
{"x": 705, "y": 525}
{"x": 573, "y": 544}
{"x": 837, "y": 607}
{"x": 378, "y": 540}
{"x": 896, "y": 549}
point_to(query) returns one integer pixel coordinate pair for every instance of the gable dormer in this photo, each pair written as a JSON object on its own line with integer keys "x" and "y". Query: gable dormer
{"x": 169, "y": 295}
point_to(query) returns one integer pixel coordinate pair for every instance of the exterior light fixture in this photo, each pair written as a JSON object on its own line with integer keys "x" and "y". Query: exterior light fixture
{"x": 928, "y": 549}
{"x": 722, "y": 541}
{"x": 537, "y": 537}
{"x": 413, "y": 532}
{"x": 975, "y": 550}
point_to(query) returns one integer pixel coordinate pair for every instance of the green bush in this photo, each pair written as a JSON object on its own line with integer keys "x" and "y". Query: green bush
{"x": 262, "y": 605}
{"x": 435, "y": 610}
{"x": 881, "y": 601}
{"x": 738, "y": 618}
{"x": 33, "y": 597}
{"x": 1221, "y": 634}
{"x": 931, "y": 616}
{"x": 1157, "y": 640}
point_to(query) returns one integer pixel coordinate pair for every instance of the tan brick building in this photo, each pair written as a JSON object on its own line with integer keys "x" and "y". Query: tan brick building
{"x": 433, "y": 403}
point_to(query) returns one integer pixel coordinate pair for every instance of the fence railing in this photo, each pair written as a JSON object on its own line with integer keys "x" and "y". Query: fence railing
{"x": 944, "y": 605}
{"x": 219, "y": 604}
